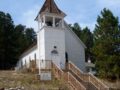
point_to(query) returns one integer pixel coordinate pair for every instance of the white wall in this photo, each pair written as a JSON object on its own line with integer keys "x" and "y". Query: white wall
{"x": 55, "y": 37}
{"x": 64, "y": 40}
{"x": 30, "y": 55}
{"x": 75, "y": 49}
{"x": 41, "y": 44}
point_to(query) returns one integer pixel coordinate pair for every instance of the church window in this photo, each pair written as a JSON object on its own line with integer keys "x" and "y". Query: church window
{"x": 42, "y": 60}
{"x": 35, "y": 56}
{"x": 25, "y": 62}
{"x": 54, "y": 52}
{"x": 21, "y": 64}
{"x": 29, "y": 58}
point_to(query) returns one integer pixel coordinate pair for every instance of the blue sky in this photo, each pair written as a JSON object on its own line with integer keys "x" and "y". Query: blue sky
{"x": 84, "y": 12}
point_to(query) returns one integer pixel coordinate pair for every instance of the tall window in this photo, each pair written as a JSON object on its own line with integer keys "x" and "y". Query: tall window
{"x": 35, "y": 56}
{"x": 25, "y": 63}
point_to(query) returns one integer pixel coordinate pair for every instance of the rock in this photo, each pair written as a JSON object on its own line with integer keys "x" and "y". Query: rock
{"x": 16, "y": 88}
{"x": 22, "y": 88}
{"x": 2, "y": 89}
{"x": 11, "y": 89}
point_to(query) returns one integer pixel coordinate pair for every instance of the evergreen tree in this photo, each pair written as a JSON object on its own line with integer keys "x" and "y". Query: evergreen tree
{"x": 13, "y": 41}
{"x": 87, "y": 38}
{"x": 20, "y": 39}
{"x": 30, "y": 35}
{"x": 77, "y": 29}
{"x": 24, "y": 37}
{"x": 107, "y": 45}
{"x": 7, "y": 44}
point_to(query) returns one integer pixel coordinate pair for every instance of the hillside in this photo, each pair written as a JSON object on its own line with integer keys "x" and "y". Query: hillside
{"x": 10, "y": 80}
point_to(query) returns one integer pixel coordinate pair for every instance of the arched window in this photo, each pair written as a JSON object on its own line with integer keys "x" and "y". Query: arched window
{"x": 35, "y": 56}
{"x": 29, "y": 58}
{"x": 54, "y": 52}
{"x": 25, "y": 63}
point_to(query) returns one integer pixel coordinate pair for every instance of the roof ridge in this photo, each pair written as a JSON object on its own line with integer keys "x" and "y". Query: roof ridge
{"x": 50, "y": 6}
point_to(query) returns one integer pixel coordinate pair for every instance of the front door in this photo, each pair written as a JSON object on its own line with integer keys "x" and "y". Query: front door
{"x": 56, "y": 58}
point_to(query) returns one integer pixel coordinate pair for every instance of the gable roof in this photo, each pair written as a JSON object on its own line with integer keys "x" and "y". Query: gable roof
{"x": 29, "y": 48}
{"x": 50, "y": 7}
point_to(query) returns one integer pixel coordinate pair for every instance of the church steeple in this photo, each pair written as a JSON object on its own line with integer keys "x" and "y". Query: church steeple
{"x": 51, "y": 34}
{"x": 50, "y": 7}
{"x": 50, "y": 15}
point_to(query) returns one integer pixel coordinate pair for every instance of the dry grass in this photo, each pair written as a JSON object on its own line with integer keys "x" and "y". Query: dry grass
{"x": 115, "y": 85}
{"x": 13, "y": 79}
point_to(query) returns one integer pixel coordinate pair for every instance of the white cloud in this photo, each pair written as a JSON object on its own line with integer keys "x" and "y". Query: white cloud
{"x": 28, "y": 18}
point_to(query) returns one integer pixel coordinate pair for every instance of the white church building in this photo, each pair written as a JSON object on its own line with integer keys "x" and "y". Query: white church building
{"x": 56, "y": 41}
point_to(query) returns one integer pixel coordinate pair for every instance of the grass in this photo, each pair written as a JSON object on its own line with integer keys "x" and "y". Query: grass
{"x": 12, "y": 79}
{"x": 114, "y": 85}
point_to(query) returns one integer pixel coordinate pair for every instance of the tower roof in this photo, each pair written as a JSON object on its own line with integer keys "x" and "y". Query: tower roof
{"x": 50, "y": 7}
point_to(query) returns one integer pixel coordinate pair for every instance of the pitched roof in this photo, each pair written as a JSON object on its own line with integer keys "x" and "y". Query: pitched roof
{"x": 50, "y": 7}
{"x": 29, "y": 47}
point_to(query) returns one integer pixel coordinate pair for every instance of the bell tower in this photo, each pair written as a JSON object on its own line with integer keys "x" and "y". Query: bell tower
{"x": 51, "y": 35}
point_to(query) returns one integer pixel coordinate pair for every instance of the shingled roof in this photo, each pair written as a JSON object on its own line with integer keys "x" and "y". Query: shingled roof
{"x": 50, "y": 7}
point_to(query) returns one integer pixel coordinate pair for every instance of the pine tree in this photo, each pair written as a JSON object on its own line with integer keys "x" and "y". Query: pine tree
{"x": 30, "y": 35}
{"x": 7, "y": 44}
{"x": 77, "y": 29}
{"x": 13, "y": 41}
{"x": 24, "y": 38}
{"x": 107, "y": 45}
{"x": 87, "y": 38}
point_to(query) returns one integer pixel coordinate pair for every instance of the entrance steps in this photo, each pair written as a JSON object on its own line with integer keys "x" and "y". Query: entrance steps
{"x": 87, "y": 85}
{"x": 77, "y": 79}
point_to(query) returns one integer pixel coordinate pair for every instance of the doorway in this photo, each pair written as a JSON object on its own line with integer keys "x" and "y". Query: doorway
{"x": 66, "y": 60}
{"x": 66, "y": 57}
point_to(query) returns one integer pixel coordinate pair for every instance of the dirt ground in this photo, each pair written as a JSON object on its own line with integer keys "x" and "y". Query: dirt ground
{"x": 12, "y": 79}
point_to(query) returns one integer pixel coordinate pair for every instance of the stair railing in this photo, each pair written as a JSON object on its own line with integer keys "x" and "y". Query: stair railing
{"x": 67, "y": 77}
{"x": 87, "y": 77}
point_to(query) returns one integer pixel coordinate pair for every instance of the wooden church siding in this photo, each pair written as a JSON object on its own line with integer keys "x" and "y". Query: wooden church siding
{"x": 74, "y": 48}
{"x": 29, "y": 55}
